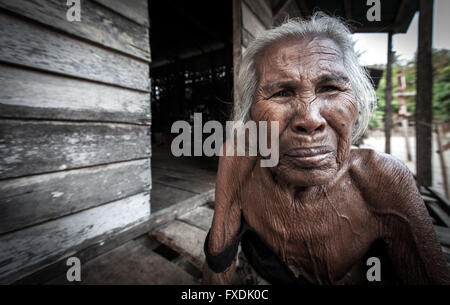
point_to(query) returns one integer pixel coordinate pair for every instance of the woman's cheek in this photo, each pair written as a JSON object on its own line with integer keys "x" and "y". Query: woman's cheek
{"x": 271, "y": 112}
{"x": 341, "y": 115}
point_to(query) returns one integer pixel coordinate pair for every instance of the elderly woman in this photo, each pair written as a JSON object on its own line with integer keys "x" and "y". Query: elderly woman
{"x": 324, "y": 209}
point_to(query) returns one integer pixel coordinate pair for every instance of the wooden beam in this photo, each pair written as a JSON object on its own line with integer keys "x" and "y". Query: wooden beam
{"x": 388, "y": 97}
{"x": 305, "y": 12}
{"x": 424, "y": 109}
{"x": 38, "y": 47}
{"x": 279, "y": 9}
{"x": 237, "y": 43}
{"x": 400, "y": 13}
{"x": 348, "y": 9}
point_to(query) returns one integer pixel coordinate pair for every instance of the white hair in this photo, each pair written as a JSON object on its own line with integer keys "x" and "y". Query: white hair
{"x": 319, "y": 25}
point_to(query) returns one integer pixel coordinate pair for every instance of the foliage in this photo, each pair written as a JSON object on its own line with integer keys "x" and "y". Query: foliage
{"x": 441, "y": 88}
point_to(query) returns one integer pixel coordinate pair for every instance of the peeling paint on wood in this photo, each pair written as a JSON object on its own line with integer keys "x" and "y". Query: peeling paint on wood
{"x": 36, "y": 46}
{"x": 97, "y": 24}
{"x": 34, "y": 199}
{"x": 29, "y": 147}
{"x": 136, "y": 10}
{"x": 32, "y": 94}
{"x": 53, "y": 239}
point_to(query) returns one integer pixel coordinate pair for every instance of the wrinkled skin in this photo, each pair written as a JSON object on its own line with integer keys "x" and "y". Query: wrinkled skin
{"x": 324, "y": 205}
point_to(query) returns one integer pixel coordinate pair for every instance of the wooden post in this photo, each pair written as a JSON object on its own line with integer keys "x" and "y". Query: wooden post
{"x": 439, "y": 136}
{"x": 388, "y": 97}
{"x": 401, "y": 86}
{"x": 424, "y": 110}
{"x": 237, "y": 40}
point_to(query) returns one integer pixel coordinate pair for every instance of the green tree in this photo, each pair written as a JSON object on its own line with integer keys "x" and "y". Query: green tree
{"x": 441, "y": 88}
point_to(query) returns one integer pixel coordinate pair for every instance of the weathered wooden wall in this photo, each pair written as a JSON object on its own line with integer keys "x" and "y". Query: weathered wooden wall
{"x": 74, "y": 128}
{"x": 250, "y": 17}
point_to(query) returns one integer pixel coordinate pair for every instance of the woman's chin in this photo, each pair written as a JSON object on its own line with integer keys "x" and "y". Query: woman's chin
{"x": 305, "y": 177}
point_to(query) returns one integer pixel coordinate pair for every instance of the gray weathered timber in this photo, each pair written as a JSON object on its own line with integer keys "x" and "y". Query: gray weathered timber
{"x": 443, "y": 234}
{"x": 32, "y": 147}
{"x": 34, "y": 199}
{"x": 36, "y": 46}
{"x": 108, "y": 242}
{"x": 39, "y": 95}
{"x": 184, "y": 238}
{"x": 47, "y": 242}
{"x": 165, "y": 195}
{"x": 246, "y": 38}
{"x": 201, "y": 217}
{"x": 262, "y": 10}
{"x": 136, "y": 10}
{"x": 250, "y": 21}
{"x": 131, "y": 264}
{"x": 97, "y": 24}
{"x": 424, "y": 97}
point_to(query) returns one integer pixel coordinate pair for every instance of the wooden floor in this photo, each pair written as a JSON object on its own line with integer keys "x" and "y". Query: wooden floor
{"x": 172, "y": 253}
{"x": 177, "y": 179}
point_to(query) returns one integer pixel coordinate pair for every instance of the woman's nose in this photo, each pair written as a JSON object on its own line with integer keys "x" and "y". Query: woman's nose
{"x": 308, "y": 122}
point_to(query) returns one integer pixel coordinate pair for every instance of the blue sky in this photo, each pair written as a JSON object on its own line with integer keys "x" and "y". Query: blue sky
{"x": 374, "y": 46}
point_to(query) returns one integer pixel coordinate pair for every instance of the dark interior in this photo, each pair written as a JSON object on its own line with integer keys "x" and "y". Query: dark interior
{"x": 192, "y": 64}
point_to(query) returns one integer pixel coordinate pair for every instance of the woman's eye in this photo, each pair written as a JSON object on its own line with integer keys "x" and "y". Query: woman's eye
{"x": 282, "y": 93}
{"x": 329, "y": 88}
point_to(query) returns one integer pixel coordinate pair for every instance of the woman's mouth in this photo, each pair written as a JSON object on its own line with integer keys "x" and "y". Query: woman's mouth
{"x": 311, "y": 156}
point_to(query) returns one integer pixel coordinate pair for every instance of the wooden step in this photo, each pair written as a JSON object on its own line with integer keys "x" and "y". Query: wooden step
{"x": 133, "y": 263}
{"x": 187, "y": 234}
{"x": 200, "y": 217}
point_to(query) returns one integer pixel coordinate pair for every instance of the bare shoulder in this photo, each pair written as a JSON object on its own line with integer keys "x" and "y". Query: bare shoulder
{"x": 384, "y": 181}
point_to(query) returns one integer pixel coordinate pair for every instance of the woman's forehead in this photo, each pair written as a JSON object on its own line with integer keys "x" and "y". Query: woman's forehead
{"x": 307, "y": 55}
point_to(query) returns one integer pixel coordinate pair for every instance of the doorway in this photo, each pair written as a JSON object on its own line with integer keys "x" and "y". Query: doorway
{"x": 191, "y": 72}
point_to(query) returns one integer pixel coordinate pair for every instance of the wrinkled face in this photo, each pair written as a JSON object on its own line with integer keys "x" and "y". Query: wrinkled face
{"x": 303, "y": 85}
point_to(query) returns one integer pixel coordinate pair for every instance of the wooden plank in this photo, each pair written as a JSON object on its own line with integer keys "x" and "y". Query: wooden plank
{"x": 133, "y": 263}
{"x": 388, "y": 124}
{"x": 37, "y": 95}
{"x": 246, "y": 38}
{"x": 97, "y": 24}
{"x": 185, "y": 239}
{"x": 32, "y": 147}
{"x": 34, "y": 199}
{"x": 136, "y": 10}
{"x": 250, "y": 21}
{"x": 201, "y": 217}
{"x": 164, "y": 196}
{"x": 439, "y": 213}
{"x": 135, "y": 267}
{"x": 107, "y": 242}
{"x": 191, "y": 182}
{"x": 237, "y": 45}
{"x": 180, "y": 208}
{"x": 442, "y": 201}
{"x": 424, "y": 97}
{"x": 443, "y": 235}
{"x": 102, "y": 245}
{"x": 280, "y": 9}
{"x": 36, "y": 46}
{"x": 262, "y": 10}
{"x": 36, "y": 246}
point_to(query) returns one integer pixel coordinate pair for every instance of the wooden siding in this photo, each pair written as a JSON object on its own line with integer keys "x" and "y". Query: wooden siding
{"x": 74, "y": 128}
{"x": 47, "y": 242}
{"x": 41, "y": 95}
